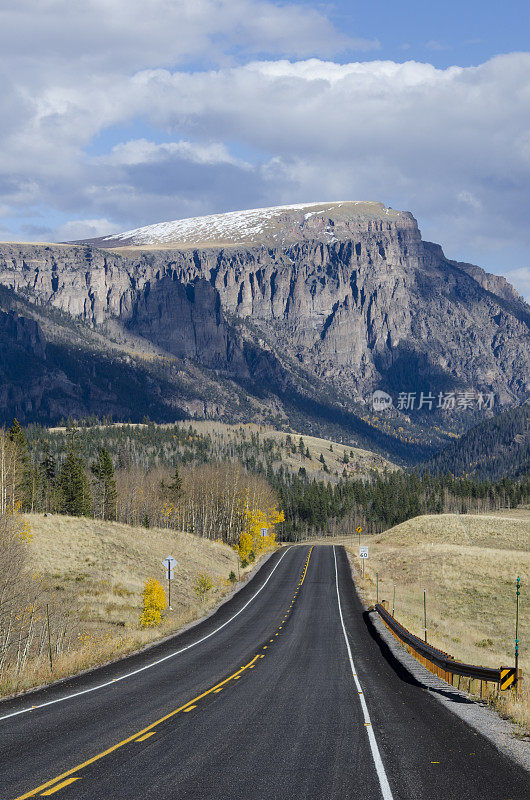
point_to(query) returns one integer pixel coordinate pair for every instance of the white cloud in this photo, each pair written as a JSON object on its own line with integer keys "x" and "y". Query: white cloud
{"x": 451, "y": 145}
{"x": 142, "y": 151}
{"x": 83, "y": 229}
{"x": 127, "y": 35}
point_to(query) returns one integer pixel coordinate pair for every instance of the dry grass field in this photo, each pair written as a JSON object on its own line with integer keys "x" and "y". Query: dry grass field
{"x": 468, "y": 564}
{"x": 95, "y": 570}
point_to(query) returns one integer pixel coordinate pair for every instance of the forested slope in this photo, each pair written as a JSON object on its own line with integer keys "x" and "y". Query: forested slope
{"x": 494, "y": 449}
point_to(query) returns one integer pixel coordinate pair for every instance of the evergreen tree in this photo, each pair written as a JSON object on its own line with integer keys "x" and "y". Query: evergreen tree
{"x": 48, "y": 475}
{"x": 16, "y": 435}
{"x": 74, "y": 487}
{"x": 175, "y": 487}
{"x": 106, "y": 494}
{"x": 22, "y": 466}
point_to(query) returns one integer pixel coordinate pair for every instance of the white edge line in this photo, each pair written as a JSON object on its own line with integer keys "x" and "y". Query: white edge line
{"x": 153, "y": 663}
{"x": 376, "y": 755}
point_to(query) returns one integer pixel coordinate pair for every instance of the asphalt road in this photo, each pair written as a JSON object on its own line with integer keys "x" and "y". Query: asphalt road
{"x": 284, "y": 693}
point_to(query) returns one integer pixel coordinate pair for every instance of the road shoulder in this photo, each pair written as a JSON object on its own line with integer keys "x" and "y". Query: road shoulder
{"x": 502, "y": 733}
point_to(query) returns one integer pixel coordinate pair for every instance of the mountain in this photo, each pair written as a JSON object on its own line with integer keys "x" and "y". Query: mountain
{"x": 496, "y": 448}
{"x": 293, "y": 315}
{"x": 52, "y": 368}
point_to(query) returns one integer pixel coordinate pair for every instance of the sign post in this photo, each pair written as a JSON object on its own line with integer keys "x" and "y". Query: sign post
{"x": 363, "y": 554}
{"x": 264, "y": 533}
{"x": 517, "y": 593}
{"x": 169, "y": 563}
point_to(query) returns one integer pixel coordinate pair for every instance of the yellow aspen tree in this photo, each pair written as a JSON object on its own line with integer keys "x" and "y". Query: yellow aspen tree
{"x": 244, "y": 548}
{"x": 255, "y": 520}
{"x": 153, "y": 601}
{"x": 202, "y": 586}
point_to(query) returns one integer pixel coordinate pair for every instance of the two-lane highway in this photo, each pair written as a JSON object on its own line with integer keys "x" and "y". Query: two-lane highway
{"x": 283, "y": 693}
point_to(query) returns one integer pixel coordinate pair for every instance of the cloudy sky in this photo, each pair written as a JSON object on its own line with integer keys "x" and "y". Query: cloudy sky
{"x": 120, "y": 113}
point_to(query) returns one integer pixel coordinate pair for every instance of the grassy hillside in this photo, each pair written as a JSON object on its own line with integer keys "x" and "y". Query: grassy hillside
{"x": 95, "y": 570}
{"x": 197, "y": 441}
{"x": 359, "y": 461}
{"x": 468, "y": 564}
{"x": 102, "y": 567}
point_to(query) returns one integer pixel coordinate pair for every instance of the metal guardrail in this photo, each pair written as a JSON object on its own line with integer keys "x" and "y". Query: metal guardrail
{"x": 443, "y": 661}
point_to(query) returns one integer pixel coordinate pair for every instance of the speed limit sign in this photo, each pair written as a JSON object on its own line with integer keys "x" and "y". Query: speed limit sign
{"x": 363, "y": 552}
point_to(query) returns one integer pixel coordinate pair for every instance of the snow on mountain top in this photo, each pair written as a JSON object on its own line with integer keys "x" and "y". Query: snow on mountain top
{"x": 234, "y": 226}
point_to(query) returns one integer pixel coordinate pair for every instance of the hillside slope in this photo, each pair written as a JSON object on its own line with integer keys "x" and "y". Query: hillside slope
{"x": 103, "y": 566}
{"x": 91, "y": 574}
{"x": 468, "y": 564}
{"x": 493, "y": 449}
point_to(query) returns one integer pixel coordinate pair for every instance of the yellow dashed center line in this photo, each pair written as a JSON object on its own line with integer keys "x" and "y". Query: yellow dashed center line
{"x": 59, "y": 786}
{"x": 146, "y": 736}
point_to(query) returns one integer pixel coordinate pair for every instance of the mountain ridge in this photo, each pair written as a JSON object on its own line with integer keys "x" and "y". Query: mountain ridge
{"x": 307, "y": 326}
{"x": 273, "y": 224}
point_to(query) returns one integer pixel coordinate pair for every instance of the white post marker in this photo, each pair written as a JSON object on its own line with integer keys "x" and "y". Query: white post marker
{"x": 169, "y": 563}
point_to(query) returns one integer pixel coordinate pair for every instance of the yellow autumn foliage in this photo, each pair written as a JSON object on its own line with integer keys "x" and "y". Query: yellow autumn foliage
{"x": 153, "y": 601}
{"x": 255, "y": 519}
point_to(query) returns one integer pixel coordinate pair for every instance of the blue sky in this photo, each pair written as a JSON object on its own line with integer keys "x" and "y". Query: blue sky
{"x": 465, "y": 33}
{"x": 120, "y": 113}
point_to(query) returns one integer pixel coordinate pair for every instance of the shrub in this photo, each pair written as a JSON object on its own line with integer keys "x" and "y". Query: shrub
{"x": 202, "y": 586}
{"x": 154, "y": 601}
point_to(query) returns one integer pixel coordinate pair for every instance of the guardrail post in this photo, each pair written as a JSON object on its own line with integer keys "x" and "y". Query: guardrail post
{"x": 425, "y": 611}
{"x": 517, "y": 593}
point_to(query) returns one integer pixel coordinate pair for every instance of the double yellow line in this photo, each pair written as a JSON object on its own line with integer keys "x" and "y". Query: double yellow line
{"x": 63, "y": 780}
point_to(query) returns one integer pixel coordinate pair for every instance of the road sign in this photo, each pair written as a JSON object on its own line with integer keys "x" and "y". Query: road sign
{"x": 508, "y": 677}
{"x": 169, "y": 563}
{"x": 363, "y": 552}
{"x": 264, "y": 532}
{"x": 359, "y": 529}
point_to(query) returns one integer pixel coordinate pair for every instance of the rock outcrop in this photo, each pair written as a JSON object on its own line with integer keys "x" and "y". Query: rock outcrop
{"x": 347, "y": 293}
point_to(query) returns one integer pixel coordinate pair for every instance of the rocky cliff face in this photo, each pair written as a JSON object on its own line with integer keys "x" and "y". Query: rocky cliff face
{"x": 347, "y": 293}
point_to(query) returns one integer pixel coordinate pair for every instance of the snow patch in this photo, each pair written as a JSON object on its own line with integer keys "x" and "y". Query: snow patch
{"x": 233, "y": 226}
